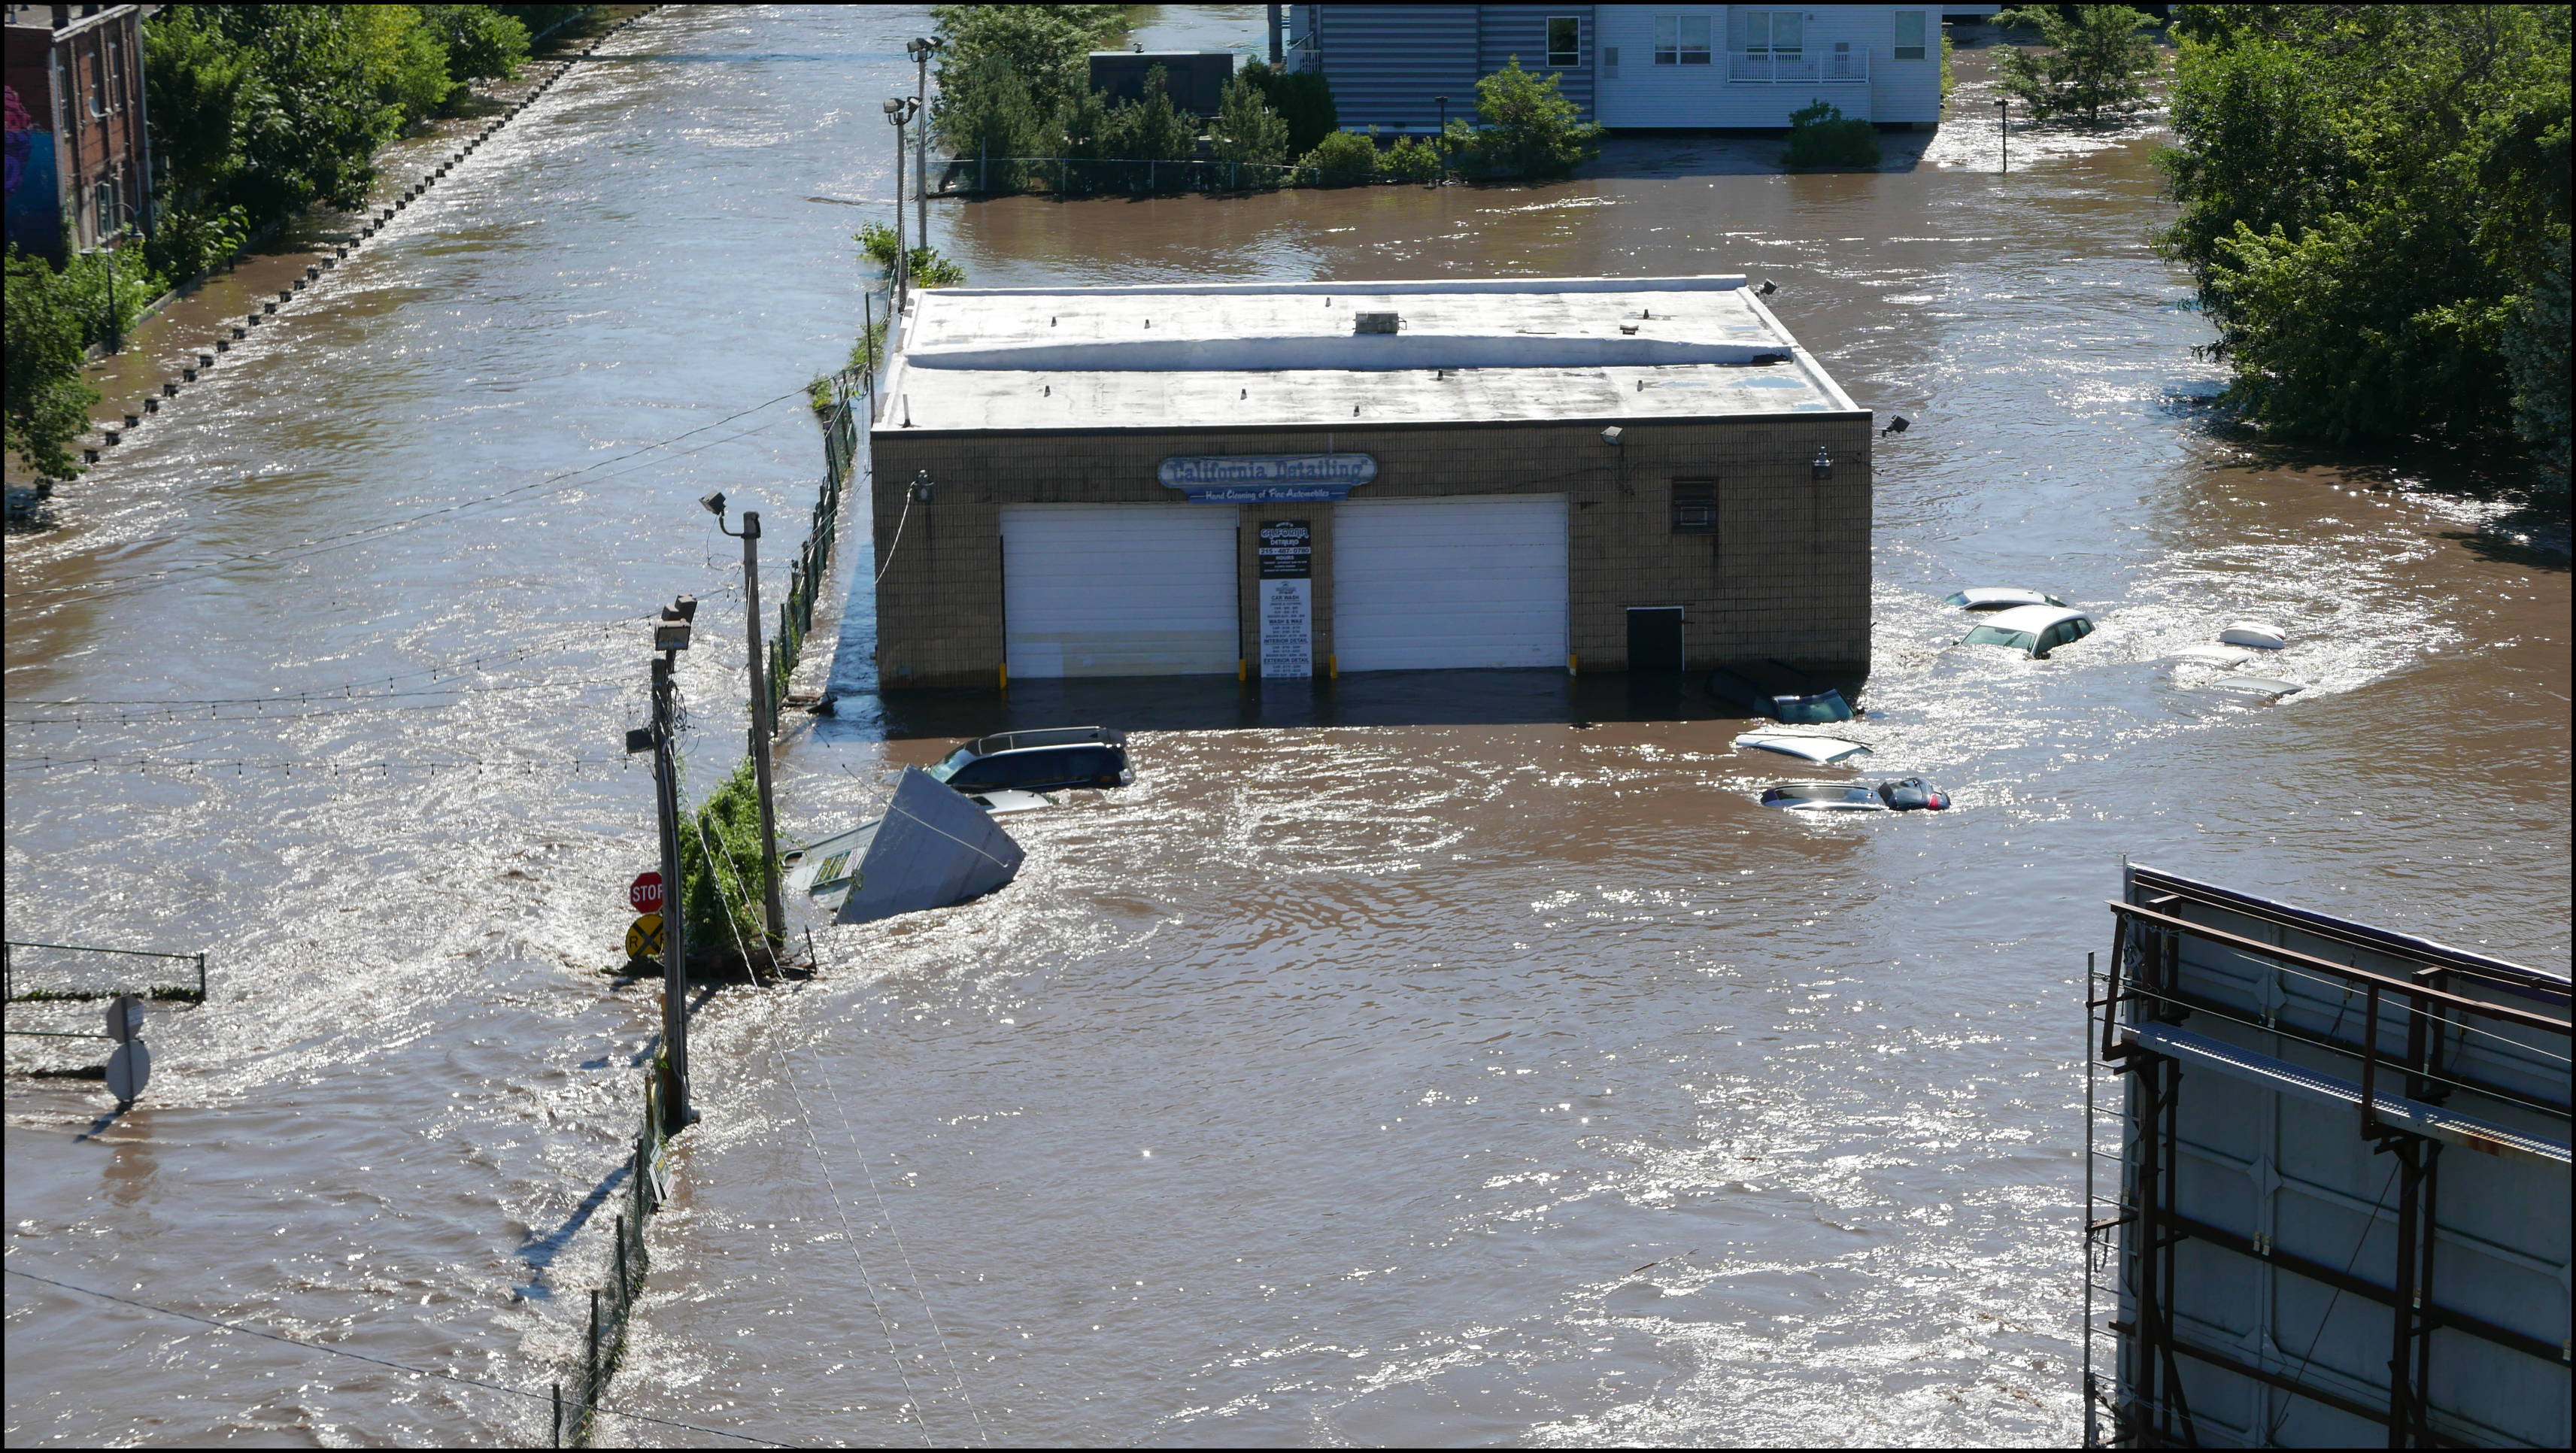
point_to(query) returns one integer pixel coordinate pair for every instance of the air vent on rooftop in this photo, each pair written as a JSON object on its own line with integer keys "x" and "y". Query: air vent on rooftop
{"x": 1374, "y": 322}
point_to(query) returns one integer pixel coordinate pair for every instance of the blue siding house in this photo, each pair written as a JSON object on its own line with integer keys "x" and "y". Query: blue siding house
{"x": 1642, "y": 67}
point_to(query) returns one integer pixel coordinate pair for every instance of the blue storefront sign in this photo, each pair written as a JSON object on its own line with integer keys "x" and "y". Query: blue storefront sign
{"x": 1244, "y": 479}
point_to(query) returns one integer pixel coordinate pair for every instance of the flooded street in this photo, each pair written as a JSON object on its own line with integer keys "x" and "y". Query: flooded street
{"x": 1432, "y": 1062}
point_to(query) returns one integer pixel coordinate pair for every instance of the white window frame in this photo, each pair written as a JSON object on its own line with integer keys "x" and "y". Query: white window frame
{"x": 1914, "y": 51}
{"x": 1762, "y": 32}
{"x": 1674, "y": 42}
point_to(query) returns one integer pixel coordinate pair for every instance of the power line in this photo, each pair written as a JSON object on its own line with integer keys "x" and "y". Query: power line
{"x": 103, "y": 589}
{"x": 249, "y": 1331}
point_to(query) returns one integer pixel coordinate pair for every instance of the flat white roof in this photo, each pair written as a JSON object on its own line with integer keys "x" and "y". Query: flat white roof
{"x": 1256, "y": 355}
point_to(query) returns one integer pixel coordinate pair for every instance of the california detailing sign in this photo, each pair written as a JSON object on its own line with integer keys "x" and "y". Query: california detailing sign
{"x": 1244, "y": 479}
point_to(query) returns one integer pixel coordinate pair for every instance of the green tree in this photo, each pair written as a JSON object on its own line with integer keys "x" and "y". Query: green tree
{"x": 1342, "y": 159}
{"x": 1247, "y": 131}
{"x": 1302, "y": 98}
{"x": 2374, "y": 205}
{"x": 48, "y": 400}
{"x": 1412, "y": 159}
{"x": 1037, "y": 53}
{"x": 1530, "y": 130}
{"x": 2097, "y": 60}
{"x": 1820, "y": 136}
{"x": 481, "y": 43}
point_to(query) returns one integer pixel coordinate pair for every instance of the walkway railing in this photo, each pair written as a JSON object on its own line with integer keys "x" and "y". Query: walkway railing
{"x": 1761, "y": 67}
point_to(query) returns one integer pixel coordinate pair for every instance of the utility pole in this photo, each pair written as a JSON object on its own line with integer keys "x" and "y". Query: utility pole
{"x": 1443, "y": 103}
{"x": 670, "y": 637}
{"x": 2003, "y": 131}
{"x": 922, "y": 50}
{"x": 773, "y": 913}
{"x": 1277, "y": 56}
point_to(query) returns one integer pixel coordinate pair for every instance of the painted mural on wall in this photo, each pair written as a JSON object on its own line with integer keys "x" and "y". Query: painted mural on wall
{"x": 35, "y": 198}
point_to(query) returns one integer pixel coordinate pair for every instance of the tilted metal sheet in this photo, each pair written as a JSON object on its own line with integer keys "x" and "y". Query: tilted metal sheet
{"x": 933, "y": 848}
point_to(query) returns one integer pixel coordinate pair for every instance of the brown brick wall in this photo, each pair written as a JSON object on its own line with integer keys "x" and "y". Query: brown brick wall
{"x": 1786, "y": 575}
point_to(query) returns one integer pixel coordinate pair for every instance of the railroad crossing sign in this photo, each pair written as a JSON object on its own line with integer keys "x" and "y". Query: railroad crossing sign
{"x": 644, "y": 937}
{"x": 644, "y": 895}
{"x": 128, "y": 1071}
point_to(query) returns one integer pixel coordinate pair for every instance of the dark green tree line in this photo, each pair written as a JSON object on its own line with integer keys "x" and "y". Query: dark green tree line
{"x": 2374, "y": 205}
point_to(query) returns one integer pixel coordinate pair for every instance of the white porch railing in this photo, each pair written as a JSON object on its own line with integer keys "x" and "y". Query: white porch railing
{"x": 1841, "y": 66}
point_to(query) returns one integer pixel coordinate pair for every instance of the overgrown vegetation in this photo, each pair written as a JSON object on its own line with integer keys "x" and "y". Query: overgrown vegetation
{"x": 1529, "y": 130}
{"x": 257, "y": 111}
{"x": 2097, "y": 59}
{"x": 1821, "y": 136}
{"x": 720, "y": 868}
{"x": 1303, "y": 100}
{"x": 2374, "y": 203}
{"x": 1247, "y": 131}
{"x": 930, "y": 268}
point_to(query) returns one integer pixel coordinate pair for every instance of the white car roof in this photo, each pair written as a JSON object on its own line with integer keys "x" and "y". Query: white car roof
{"x": 2032, "y": 618}
{"x": 1821, "y": 750}
{"x": 1976, "y": 595}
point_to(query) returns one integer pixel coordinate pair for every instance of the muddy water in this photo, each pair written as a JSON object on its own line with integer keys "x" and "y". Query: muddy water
{"x": 1446, "y": 1071}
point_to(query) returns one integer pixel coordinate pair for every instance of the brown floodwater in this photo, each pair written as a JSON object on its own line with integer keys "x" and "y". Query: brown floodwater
{"x": 1431, "y": 1061}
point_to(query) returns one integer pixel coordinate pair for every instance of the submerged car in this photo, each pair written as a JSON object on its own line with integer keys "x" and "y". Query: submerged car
{"x": 1998, "y": 597}
{"x": 1038, "y": 761}
{"x": 1789, "y": 696}
{"x": 2256, "y": 634}
{"x": 1824, "y": 751}
{"x": 1910, "y": 794}
{"x": 2262, "y": 688}
{"x": 2035, "y": 629}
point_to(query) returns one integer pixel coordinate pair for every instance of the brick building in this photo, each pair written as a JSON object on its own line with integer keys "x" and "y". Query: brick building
{"x": 79, "y": 158}
{"x": 1576, "y": 474}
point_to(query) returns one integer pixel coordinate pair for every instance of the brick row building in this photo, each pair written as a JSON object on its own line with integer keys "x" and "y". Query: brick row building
{"x": 79, "y": 156}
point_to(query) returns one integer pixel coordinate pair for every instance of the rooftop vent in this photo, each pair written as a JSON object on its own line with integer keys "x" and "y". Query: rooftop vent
{"x": 1374, "y": 322}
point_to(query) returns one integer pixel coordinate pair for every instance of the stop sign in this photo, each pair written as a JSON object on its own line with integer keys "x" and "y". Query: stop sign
{"x": 644, "y": 895}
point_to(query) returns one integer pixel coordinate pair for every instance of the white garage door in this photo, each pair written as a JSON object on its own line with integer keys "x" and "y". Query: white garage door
{"x": 1458, "y": 581}
{"x": 1119, "y": 590}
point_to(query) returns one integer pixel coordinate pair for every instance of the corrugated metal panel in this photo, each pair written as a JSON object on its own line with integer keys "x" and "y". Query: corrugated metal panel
{"x": 2256, "y": 1234}
{"x": 1521, "y": 30}
{"x": 1386, "y": 62}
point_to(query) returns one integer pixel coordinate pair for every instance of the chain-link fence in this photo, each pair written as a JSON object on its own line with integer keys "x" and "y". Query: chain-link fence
{"x": 1076, "y": 176}
{"x": 814, "y": 557}
{"x": 611, "y": 1307}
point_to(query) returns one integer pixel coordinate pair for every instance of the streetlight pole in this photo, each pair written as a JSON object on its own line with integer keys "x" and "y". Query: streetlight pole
{"x": 898, "y": 111}
{"x": 2003, "y": 130}
{"x": 1443, "y": 103}
{"x": 773, "y": 915}
{"x": 921, "y": 50}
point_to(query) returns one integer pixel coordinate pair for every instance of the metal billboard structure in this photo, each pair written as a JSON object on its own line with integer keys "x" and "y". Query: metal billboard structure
{"x": 2327, "y": 1184}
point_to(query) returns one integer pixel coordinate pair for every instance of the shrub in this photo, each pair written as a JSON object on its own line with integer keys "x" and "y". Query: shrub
{"x": 1530, "y": 130}
{"x": 1342, "y": 159}
{"x": 48, "y": 401}
{"x": 930, "y": 269}
{"x": 1820, "y": 136}
{"x": 1412, "y": 159}
{"x": 720, "y": 868}
{"x": 188, "y": 244}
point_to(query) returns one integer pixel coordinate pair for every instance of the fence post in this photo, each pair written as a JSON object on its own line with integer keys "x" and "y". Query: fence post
{"x": 590, "y": 1381}
{"x": 621, "y": 1263}
{"x": 556, "y": 1441}
{"x": 201, "y": 978}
